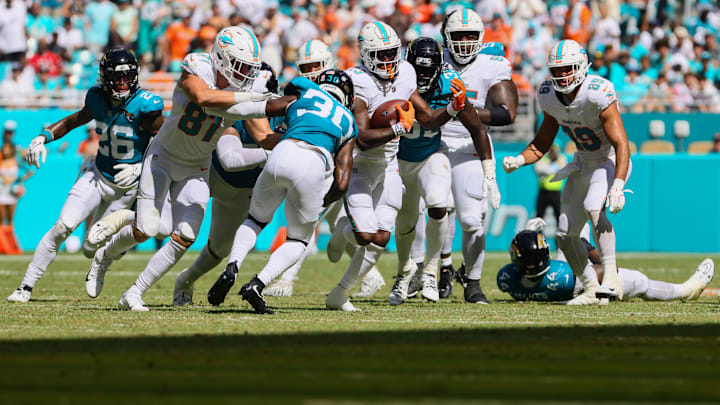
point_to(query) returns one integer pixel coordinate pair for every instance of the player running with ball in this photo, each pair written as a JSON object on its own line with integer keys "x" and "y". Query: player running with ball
{"x": 585, "y": 107}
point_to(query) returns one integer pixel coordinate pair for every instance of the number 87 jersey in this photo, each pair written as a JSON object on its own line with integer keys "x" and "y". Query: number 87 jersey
{"x": 581, "y": 119}
{"x": 189, "y": 135}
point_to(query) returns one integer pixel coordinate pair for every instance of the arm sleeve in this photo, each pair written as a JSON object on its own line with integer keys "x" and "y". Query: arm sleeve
{"x": 241, "y": 111}
{"x": 234, "y": 157}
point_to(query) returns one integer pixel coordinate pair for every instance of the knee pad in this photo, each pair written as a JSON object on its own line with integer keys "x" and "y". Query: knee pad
{"x": 437, "y": 213}
{"x": 185, "y": 231}
{"x": 59, "y": 232}
{"x": 148, "y": 222}
{"x": 471, "y": 224}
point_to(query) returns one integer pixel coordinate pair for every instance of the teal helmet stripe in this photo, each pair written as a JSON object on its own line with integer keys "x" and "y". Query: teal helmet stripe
{"x": 307, "y": 50}
{"x": 464, "y": 16}
{"x": 256, "y": 52}
{"x": 385, "y": 36}
{"x": 558, "y": 56}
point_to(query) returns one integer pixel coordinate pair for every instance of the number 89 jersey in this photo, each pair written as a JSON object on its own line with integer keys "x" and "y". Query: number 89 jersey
{"x": 121, "y": 138}
{"x": 189, "y": 135}
{"x": 581, "y": 119}
{"x": 421, "y": 143}
{"x": 317, "y": 117}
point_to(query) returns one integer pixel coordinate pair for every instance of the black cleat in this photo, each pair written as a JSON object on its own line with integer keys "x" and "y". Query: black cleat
{"x": 447, "y": 273}
{"x": 460, "y": 276}
{"x": 222, "y": 286}
{"x": 474, "y": 294}
{"x": 252, "y": 293}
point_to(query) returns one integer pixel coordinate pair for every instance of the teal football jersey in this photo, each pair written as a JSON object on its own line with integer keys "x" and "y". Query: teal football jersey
{"x": 556, "y": 285}
{"x": 421, "y": 143}
{"x": 317, "y": 117}
{"x": 121, "y": 138}
{"x": 493, "y": 49}
{"x": 244, "y": 178}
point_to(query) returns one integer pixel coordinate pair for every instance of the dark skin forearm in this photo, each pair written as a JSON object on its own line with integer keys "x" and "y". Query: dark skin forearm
{"x": 343, "y": 168}
{"x": 502, "y": 93}
{"x": 427, "y": 117}
{"x": 469, "y": 118}
{"x": 369, "y": 138}
{"x": 72, "y": 121}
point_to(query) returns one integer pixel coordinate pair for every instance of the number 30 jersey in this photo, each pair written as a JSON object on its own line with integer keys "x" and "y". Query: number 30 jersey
{"x": 318, "y": 118}
{"x": 121, "y": 138}
{"x": 189, "y": 135}
{"x": 581, "y": 119}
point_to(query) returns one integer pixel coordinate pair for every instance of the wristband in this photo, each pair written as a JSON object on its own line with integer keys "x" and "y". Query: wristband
{"x": 451, "y": 110}
{"x": 47, "y": 134}
{"x": 399, "y": 129}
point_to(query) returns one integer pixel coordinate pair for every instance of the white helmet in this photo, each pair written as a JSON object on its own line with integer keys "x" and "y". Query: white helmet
{"x": 465, "y": 20}
{"x": 314, "y": 51}
{"x": 236, "y": 55}
{"x": 567, "y": 53}
{"x": 379, "y": 47}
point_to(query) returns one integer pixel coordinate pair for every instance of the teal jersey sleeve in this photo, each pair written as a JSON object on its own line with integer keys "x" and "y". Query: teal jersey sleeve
{"x": 122, "y": 140}
{"x": 556, "y": 285}
{"x": 493, "y": 49}
{"x": 244, "y": 178}
{"x": 421, "y": 143}
{"x": 317, "y": 117}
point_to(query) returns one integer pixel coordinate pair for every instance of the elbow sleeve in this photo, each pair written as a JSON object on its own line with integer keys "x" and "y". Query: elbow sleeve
{"x": 500, "y": 116}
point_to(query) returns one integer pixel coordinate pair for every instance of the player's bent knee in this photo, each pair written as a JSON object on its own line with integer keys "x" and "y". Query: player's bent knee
{"x": 59, "y": 232}
{"x": 382, "y": 238}
{"x": 148, "y": 222}
{"x": 437, "y": 213}
{"x": 186, "y": 232}
{"x": 364, "y": 238}
{"x": 180, "y": 240}
{"x": 471, "y": 224}
{"x": 139, "y": 235}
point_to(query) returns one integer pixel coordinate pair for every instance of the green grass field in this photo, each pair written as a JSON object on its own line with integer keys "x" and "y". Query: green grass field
{"x": 64, "y": 347}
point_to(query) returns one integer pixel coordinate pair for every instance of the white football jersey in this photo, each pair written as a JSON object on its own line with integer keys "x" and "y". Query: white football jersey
{"x": 374, "y": 92}
{"x": 189, "y": 135}
{"x": 581, "y": 119}
{"x": 479, "y": 76}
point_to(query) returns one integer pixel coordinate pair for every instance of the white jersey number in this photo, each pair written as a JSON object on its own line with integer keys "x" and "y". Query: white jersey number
{"x": 325, "y": 107}
{"x": 114, "y": 143}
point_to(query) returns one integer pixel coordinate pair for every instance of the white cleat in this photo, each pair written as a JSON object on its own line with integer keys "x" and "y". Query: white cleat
{"x": 96, "y": 276}
{"x": 700, "y": 279}
{"x": 371, "y": 283}
{"x": 22, "y": 294}
{"x": 337, "y": 243}
{"x": 416, "y": 283}
{"x": 132, "y": 301}
{"x": 429, "y": 287}
{"x": 398, "y": 294}
{"x": 588, "y": 297}
{"x": 337, "y": 299}
{"x": 280, "y": 288}
{"x": 610, "y": 287}
{"x": 183, "y": 292}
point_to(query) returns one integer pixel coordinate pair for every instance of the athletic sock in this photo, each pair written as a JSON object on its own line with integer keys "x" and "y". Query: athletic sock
{"x": 122, "y": 241}
{"x": 205, "y": 262}
{"x": 474, "y": 253}
{"x": 662, "y": 291}
{"x": 363, "y": 260}
{"x": 450, "y": 235}
{"x": 282, "y": 259}
{"x": 244, "y": 241}
{"x": 159, "y": 264}
{"x": 436, "y": 231}
{"x": 45, "y": 253}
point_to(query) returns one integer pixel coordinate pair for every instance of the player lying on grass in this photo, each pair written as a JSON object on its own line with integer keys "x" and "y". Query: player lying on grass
{"x": 532, "y": 276}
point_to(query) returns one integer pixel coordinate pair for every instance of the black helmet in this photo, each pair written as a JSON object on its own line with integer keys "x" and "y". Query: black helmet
{"x": 426, "y": 57}
{"x": 530, "y": 253}
{"x": 339, "y": 85}
{"x": 271, "y": 85}
{"x": 119, "y": 73}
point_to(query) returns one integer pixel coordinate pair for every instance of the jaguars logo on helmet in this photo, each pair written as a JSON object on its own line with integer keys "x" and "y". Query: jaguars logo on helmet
{"x": 530, "y": 253}
{"x": 339, "y": 85}
{"x": 426, "y": 56}
{"x": 118, "y": 73}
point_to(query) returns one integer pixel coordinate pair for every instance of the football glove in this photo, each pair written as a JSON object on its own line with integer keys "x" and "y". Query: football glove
{"x": 406, "y": 117}
{"x": 535, "y": 224}
{"x": 490, "y": 188}
{"x": 512, "y": 163}
{"x": 128, "y": 174}
{"x": 616, "y": 196}
{"x": 458, "y": 90}
{"x": 36, "y": 151}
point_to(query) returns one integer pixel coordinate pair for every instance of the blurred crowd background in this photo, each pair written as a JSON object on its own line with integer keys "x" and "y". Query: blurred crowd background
{"x": 662, "y": 55}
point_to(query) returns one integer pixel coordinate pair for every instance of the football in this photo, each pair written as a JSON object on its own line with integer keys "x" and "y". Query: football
{"x": 386, "y": 115}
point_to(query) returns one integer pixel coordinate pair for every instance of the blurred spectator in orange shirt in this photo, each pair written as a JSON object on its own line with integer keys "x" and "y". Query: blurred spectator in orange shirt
{"x": 578, "y": 22}
{"x": 89, "y": 147}
{"x": 206, "y": 39}
{"x": 178, "y": 37}
{"x": 424, "y": 11}
{"x": 498, "y": 31}
{"x": 347, "y": 55}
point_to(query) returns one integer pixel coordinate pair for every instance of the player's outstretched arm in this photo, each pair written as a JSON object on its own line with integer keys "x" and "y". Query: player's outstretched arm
{"x": 615, "y": 131}
{"x": 434, "y": 119}
{"x": 537, "y": 148}
{"x": 36, "y": 152}
{"x": 204, "y": 96}
{"x": 152, "y": 122}
{"x": 233, "y": 156}
{"x": 259, "y": 129}
{"x": 370, "y": 138}
{"x": 343, "y": 167}
{"x": 502, "y": 99}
